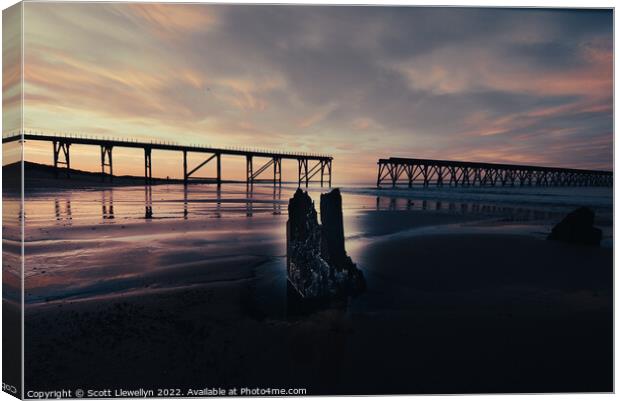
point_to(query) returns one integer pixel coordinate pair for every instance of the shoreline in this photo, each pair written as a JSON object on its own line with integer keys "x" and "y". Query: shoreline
{"x": 85, "y": 180}
{"x": 513, "y": 196}
{"x": 178, "y": 247}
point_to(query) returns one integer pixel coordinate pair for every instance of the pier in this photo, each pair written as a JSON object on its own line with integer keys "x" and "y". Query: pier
{"x": 311, "y": 167}
{"x": 397, "y": 171}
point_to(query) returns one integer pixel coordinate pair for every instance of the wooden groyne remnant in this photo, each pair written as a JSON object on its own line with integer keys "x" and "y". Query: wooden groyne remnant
{"x": 397, "y": 171}
{"x": 311, "y": 167}
{"x": 317, "y": 264}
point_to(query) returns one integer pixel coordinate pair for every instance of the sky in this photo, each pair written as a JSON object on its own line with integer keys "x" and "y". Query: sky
{"x": 360, "y": 83}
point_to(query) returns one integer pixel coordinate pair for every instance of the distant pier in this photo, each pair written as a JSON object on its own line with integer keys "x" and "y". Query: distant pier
{"x": 397, "y": 171}
{"x": 311, "y": 167}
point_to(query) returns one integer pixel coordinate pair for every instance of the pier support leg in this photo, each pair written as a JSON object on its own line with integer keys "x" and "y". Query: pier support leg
{"x": 393, "y": 174}
{"x": 277, "y": 171}
{"x": 64, "y": 147}
{"x": 55, "y": 160}
{"x": 106, "y": 161}
{"x": 67, "y": 158}
{"x": 326, "y": 171}
{"x": 185, "y": 167}
{"x": 410, "y": 176}
{"x": 302, "y": 172}
{"x": 249, "y": 170}
{"x": 103, "y": 163}
{"x": 329, "y": 167}
{"x": 188, "y": 174}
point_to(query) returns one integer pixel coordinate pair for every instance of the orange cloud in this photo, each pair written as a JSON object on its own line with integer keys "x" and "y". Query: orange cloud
{"x": 171, "y": 20}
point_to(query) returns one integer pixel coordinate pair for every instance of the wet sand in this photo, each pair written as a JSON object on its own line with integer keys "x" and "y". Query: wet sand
{"x": 455, "y": 309}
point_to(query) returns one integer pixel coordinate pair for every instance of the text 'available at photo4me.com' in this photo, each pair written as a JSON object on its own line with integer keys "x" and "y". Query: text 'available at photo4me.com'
{"x": 164, "y": 392}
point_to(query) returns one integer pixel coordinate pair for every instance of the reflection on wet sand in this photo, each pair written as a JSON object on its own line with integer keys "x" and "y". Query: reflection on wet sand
{"x": 183, "y": 201}
{"x": 277, "y": 197}
{"x": 148, "y": 202}
{"x": 218, "y": 203}
{"x": 249, "y": 192}
{"x": 107, "y": 204}
{"x": 252, "y": 201}
{"x": 63, "y": 214}
{"x": 478, "y": 208}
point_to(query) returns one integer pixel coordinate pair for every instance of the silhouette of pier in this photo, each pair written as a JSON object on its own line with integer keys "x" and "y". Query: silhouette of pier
{"x": 311, "y": 167}
{"x": 396, "y": 171}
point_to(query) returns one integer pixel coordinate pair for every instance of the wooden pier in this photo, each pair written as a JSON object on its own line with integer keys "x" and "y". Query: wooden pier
{"x": 397, "y": 171}
{"x": 312, "y": 167}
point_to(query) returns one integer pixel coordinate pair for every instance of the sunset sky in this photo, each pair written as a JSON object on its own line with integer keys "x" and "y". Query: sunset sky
{"x": 360, "y": 83}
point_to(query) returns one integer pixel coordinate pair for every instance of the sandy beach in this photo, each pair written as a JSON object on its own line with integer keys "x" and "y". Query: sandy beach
{"x": 456, "y": 303}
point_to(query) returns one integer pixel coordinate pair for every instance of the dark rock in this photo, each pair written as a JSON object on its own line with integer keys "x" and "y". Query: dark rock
{"x": 577, "y": 228}
{"x": 317, "y": 263}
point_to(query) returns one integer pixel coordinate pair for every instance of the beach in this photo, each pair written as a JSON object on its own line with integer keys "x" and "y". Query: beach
{"x": 292, "y": 200}
{"x": 463, "y": 296}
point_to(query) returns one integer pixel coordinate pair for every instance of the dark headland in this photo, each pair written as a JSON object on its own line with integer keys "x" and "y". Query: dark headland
{"x": 38, "y": 176}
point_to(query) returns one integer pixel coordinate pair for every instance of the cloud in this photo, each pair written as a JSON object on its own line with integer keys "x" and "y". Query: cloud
{"x": 318, "y": 116}
{"x": 362, "y": 82}
{"x": 170, "y": 21}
